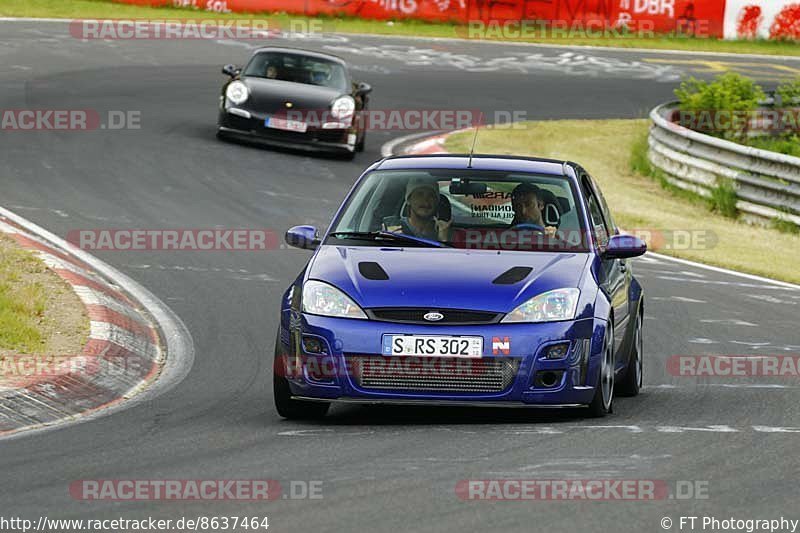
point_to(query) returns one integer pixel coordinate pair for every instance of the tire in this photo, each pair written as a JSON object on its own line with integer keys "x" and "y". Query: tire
{"x": 284, "y": 404}
{"x": 347, "y": 155}
{"x": 603, "y": 401}
{"x": 631, "y": 384}
{"x": 360, "y": 145}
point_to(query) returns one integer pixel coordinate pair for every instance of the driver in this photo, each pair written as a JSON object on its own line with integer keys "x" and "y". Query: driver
{"x": 422, "y": 197}
{"x": 272, "y": 72}
{"x": 528, "y": 207}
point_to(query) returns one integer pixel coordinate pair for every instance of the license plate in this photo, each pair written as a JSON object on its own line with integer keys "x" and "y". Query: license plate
{"x": 433, "y": 346}
{"x": 287, "y": 125}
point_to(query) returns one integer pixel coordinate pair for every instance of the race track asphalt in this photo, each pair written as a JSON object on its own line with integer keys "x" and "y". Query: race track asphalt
{"x": 383, "y": 469}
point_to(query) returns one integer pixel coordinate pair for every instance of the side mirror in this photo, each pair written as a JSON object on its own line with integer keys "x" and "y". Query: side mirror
{"x": 231, "y": 70}
{"x": 363, "y": 89}
{"x": 624, "y": 246}
{"x": 305, "y": 237}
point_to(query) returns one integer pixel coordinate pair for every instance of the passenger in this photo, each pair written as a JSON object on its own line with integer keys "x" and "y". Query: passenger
{"x": 272, "y": 72}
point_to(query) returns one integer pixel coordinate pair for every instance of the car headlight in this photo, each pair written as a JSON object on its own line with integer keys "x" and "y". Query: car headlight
{"x": 343, "y": 107}
{"x": 323, "y": 299}
{"x": 552, "y": 306}
{"x": 237, "y": 92}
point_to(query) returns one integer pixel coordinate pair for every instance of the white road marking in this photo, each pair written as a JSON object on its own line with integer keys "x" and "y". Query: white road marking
{"x": 706, "y": 429}
{"x": 751, "y": 343}
{"x": 562, "y": 429}
{"x": 703, "y": 340}
{"x": 571, "y": 63}
{"x": 718, "y": 282}
{"x": 648, "y": 258}
{"x": 767, "y": 281}
{"x": 729, "y": 322}
{"x": 678, "y": 299}
{"x": 771, "y": 299}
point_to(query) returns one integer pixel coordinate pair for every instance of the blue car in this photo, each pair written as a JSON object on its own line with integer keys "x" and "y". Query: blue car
{"x": 461, "y": 280}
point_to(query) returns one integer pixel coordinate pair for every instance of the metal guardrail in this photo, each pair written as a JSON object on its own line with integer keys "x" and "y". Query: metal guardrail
{"x": 767, "y": 183}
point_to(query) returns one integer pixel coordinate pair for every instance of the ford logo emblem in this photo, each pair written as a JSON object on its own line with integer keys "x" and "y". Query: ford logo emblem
{"x": 433, "y": 316}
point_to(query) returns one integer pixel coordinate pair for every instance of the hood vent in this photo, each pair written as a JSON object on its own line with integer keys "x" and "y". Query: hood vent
{"x": 373, "y": 271}
{"x": 512, "y": 276}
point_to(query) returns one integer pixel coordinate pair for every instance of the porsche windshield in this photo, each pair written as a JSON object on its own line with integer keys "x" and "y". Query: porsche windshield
{"x": 298, "y": 68}
{"x": 469, "y": 209}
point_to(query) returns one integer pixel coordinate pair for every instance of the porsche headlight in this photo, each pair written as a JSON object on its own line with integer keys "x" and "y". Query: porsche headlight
{"x": 322, "y": 299}
{"x": 237, "y": 92}
{"x": 343, "y": 107}
{"x": 552, "y": 306}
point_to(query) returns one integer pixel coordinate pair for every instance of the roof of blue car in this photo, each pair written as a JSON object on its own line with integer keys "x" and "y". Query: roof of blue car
{"x": 479, "y": 162}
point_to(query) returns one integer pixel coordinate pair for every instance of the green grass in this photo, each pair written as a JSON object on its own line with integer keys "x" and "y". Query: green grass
{"x": 74, "y": 9}
{"x": 640, "y": 162}
{"x": 639, "y": 202}
{"x": 39, "y": 312}
{"x": 22, "y": 302}
{"x": 785, "y": 226}
{"x": 723, "y": 199}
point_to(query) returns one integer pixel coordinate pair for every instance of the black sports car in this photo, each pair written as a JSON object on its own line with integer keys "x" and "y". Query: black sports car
{"x": 294, "y": 98}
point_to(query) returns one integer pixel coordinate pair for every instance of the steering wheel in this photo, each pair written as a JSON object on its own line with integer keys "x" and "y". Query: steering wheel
{"x": 529, "y": 226}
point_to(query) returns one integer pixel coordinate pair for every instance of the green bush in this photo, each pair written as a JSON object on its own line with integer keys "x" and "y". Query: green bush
{"x": 784, "y": 144}
{"x": 723, "y": 105}
{"x": 789, "y": 93}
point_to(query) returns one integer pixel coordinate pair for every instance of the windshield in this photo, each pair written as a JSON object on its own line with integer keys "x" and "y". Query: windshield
{"x": 468, "y": 209}
{"x": 298, "y": 68}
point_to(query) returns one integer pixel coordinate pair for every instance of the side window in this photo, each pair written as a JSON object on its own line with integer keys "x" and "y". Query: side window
{"x": 596, "y": 214}
{"x": 604, "y": 208}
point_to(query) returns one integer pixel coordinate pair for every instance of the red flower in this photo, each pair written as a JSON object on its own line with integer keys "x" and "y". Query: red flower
{"x": 787, "y": 24}
{"x": 748, "y": 21}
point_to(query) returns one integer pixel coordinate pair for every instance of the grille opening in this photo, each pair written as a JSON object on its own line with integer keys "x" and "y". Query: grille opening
{"x": 415, "y": 315}
{"x": 548, "y": 379}
{"x": 434, "y": 374}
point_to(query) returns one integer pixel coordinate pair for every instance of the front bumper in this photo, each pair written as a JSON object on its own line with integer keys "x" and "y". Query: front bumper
{"x": 346, "y": 339}
{"x": 253, "y": 129}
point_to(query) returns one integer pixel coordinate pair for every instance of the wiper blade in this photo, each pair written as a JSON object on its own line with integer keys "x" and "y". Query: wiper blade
{"x": 388, "y": 235}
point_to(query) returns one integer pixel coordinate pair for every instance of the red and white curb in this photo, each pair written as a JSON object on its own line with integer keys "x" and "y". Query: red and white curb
{"x": 426, "y": 143}
{"x": 131, "y": 334}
